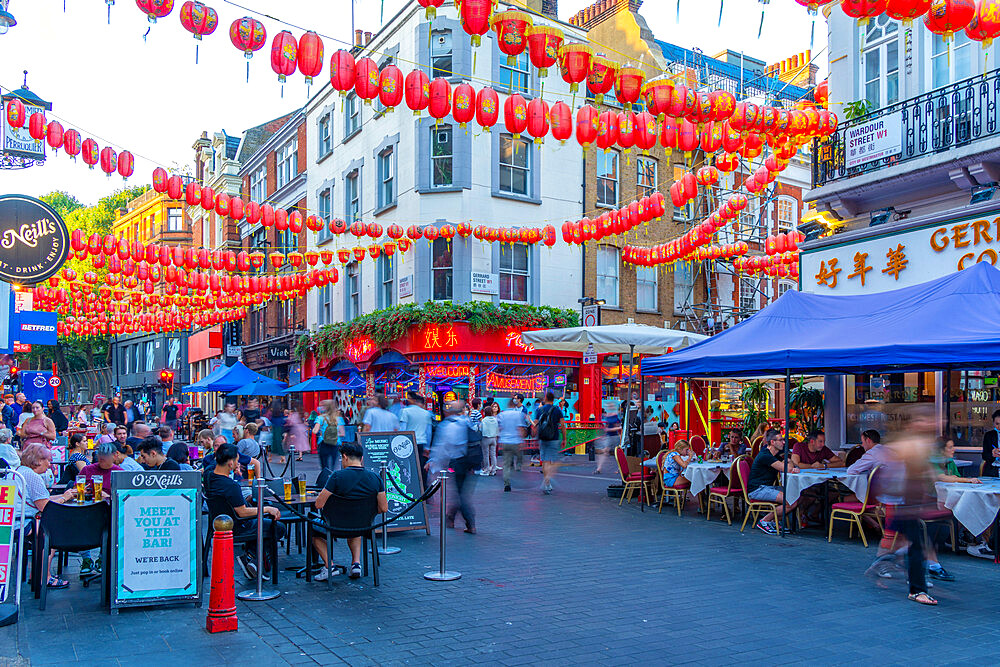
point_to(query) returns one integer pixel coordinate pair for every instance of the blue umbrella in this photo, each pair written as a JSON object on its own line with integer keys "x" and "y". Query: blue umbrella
{"x": 391, "y": 358}
{"x": 343, "y": 366}
{"x": 266, "y": 387}
{"x": 320, "y": 383}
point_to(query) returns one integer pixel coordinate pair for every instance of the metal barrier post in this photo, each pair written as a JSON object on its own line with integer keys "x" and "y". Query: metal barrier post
{"x": 385, "y": 549}
{"x": 260, "y": 594}
{"x": 443, "y": 574}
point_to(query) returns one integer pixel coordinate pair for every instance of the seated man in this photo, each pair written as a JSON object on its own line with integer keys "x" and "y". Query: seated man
{"x": 123, "y": 460}
{"x": 166, "y": 436}
{"x": 352, "y": 482}
{"x": 762, "y": 484}
{"x": 735, "y": 444}
{"x": 813, "y": 453}
{"x": 103, "y": 468}
{"x": 153, "y": 458}
{"x": 245, "y": 462}
{"x": 140, "y": 431}
{"x": 875, "y": 454}
{"x": 221, "y": 490}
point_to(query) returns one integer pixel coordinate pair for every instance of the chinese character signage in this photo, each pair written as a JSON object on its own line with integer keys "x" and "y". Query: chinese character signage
{"x": 889, "y": 261}
{"x": 874, "y": 140}
{"x": 360, "y": 349}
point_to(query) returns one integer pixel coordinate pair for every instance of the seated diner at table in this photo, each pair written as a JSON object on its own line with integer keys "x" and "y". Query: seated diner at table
{"x": 813, "y": 453}
{"x": 152, "y": 457}
{"x": 102, "y": 468}
{"x": 943, "y": 463}
{"x": 245, "y": 462}
{"x": 38, "y": 428}
{"x": 35, "y": 460}
{"x": 675, "y": 461}
{"x": 991, "y": 447}
{"x": 179, "y": 452}
{"x": 875, "y": 454}
{"x": 735, "y": 444}
{"x": 8, "y": 453}
{"x": 124, "y": 458}
{"x": 762, "y": 484}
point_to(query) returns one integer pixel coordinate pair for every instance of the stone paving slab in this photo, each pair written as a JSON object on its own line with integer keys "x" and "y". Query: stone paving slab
{"x": 569, "y": 578}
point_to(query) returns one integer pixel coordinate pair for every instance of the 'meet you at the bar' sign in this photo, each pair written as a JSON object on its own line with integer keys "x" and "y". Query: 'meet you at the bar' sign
{"x": 156, "y": 537}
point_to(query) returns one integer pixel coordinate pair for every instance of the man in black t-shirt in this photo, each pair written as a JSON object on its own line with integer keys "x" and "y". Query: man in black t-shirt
{"x": 114, "y": 411}
{"x": 170, "y": 409}
{"x": 762, "y": 484}
{"x": 221, "y": 490}
{"x": 152, "y": 457}
{"x": 352, "y": 482}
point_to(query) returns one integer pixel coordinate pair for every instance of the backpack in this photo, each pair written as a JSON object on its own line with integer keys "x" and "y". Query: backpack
{"x": 548, "y": 424}
{"x": 329, "y": 433}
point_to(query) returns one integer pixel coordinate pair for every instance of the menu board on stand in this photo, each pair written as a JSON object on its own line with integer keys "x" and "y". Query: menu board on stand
{"x": 398, "y": 451}
{"x": 156, "y": 538}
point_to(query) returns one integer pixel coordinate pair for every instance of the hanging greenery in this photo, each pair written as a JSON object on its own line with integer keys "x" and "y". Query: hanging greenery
{"x": 390, "y": 324}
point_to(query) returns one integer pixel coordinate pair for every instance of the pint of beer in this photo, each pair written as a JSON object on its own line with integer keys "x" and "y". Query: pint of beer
{"x": 288, "y": 489}
{"x": 250, "y": 472}
{"x": 302, "y": 487}
{"x": 98, "y": 486}
{"x": 81, "y": 488}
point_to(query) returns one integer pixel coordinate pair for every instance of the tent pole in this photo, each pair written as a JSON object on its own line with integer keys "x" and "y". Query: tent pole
{"x": 628, "y": 426}
{"x": 947, "y": 404}
{"x": 784, "y": 481}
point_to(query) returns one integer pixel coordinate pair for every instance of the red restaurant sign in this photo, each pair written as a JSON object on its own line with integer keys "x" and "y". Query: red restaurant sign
{"x": 360, "y": 350}
{"x": 459, "y": 337}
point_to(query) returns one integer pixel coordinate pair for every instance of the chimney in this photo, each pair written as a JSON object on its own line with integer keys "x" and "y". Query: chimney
{"x": 368, "y": 38}
{"x": 599, "y": 12}
{"x": 359, "y": 38}
{"x": 549, "y": 8}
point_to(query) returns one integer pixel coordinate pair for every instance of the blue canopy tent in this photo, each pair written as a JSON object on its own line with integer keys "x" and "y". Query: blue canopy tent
{"x": 264, "y": 387}
{"x": 231, "y": 377}
{"x": 952, "y": 322}
{"x": 321, "y": 383}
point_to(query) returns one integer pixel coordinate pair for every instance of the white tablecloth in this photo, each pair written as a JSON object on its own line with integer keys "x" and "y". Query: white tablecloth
{"x": 974, "y": 505}
{"x": 702, "y": 475}
{"x": 799, "y": 481}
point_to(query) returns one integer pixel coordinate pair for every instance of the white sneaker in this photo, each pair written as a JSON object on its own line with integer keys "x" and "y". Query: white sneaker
{"x": 979, "y": 551}
{"x": 322, "y": 575}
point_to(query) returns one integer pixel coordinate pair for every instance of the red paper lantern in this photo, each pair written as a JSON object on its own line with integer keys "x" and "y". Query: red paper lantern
{"x": 175, "y": 187}
{"x": 430, "y": 7}
{"x": 160, "y": 180}
{"x": 487, "y": 108}
{"x": 310, "y": 55}
{"x": 574, "y": 64}
{"x": 687, "y": 136}
{"x": 607, "y": 130}
{"x": 155, "y": 9}
{"x": 343, "y": 71}
{"x": 390, "y": 87}
{"x": 543, "y": 47}
{"x": 646, "y": 131}
{"x": 602, "y": 77}
{"x": 126, "y": 164}
{"x": 91, "y": 152}
{"x": 464, "y": 104}
{"x": 538, "y": 119}
{"x": 656, "y": 94}
{"x": 515, "y": 115}
{"x": 906, "y": 10}
{"x": 37, "y": 126}
{"x": 414, "y": 232}
{"x": 561, "y": 118}
{"x": 252, "y": 212}
{"x": 248, "y": 35}
{"x": 284, "y": 54}
{"x": 946, "y": 17}
{"x": 280, "y": 219}
{"x": 985, "y": 24}
{"x": 418, "y": 91}
{"x": 626, "y": 130}
{"x": 711, "y": 137}
{"x": 374, "y": 230}
{"x": 198, "y": 19}
{"x": 439, "y": 103}
{"x": 587, "y": 120}
{"x": 266, "y": 215}
{"x": 237, "y": 208}
{"x": 430, "y": 232}
{"x": 54, "y": 135}
{"x": 813, "y": 5}
{"x": 207, "y": 198}
{"x": 511, "y": 27}
{"x": 314, "y": 223}
{"x": 109, "y": 160}
{"x": 367, "y": 83}
{"x": 15, "y": 113}
{"x": 475, "y": 17}
{"x": 628, "y": 88}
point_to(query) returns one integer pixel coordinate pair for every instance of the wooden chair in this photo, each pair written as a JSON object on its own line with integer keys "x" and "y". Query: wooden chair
{"x": 852, "y": 512}
{"x": 678, "y": 491}
{"x": 755, "y": 508}
{"x": 632, "y": 481}
{"x": 720, "y": 494}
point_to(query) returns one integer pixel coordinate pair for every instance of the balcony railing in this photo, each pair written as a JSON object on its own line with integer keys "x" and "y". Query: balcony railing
{"x": 938, "y": 121}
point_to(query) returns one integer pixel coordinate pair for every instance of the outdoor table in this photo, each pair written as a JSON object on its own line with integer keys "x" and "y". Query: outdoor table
{"x": 799, "y": 481}
{"x": 974, "y": 505}
{"x": 701, "y": 475}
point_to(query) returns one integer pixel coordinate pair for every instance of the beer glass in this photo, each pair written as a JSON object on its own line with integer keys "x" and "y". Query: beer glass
{"x": 250, "y": 472}
{"x": 81, "y": 488}
{"x": 98, "y": 487}
{"x": 302, "y": 487}
{"x": 288, "y": 489}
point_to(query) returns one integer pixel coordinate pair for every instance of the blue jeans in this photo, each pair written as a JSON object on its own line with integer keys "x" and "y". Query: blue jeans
{"x": 329, "y": 456}
{"x": 548, "y": 450}
{"x": 767, "y": 494}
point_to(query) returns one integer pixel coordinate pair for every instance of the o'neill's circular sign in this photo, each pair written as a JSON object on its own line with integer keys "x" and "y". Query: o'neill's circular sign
{"x": 34, "y": 240}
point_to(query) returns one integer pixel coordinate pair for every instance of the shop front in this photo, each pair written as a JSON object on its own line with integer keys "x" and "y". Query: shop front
{"x": 891, "y": 256}
{"x": 274, "y": 359}
{"x": 204, "y": 356}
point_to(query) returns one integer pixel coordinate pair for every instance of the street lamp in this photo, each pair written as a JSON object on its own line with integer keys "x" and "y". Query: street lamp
{"x": 6, "y": 18}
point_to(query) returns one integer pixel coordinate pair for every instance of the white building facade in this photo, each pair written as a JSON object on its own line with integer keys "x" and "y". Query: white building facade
{"x": 370, "y": 164}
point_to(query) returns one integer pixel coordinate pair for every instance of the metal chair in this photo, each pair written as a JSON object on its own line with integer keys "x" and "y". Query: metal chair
{"x": 721, "y": 494}
{"x": 852, "y": 512}
{"x": 345, "y": 518}
{"x": 65, "y": 528}
{"x": 754, "y": 507}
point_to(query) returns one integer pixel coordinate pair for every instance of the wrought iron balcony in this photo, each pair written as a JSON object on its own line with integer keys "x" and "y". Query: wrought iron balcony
{"x": 941, "y": 120}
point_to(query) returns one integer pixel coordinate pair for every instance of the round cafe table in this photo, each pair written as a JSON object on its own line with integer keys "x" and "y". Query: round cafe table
{"x": 799, "y": 481}
{"x": 701, "y": 475}
{"x": 974, "y": 505}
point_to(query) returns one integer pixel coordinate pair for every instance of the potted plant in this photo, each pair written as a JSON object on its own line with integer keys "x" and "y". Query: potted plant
{"x": 754, "y": 396}
{"x": 808, "y": 403}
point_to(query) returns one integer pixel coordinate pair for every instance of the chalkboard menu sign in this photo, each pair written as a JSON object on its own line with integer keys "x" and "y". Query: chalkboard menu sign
{"x": 398, "y": 451}
{"x": 155, "y": 537}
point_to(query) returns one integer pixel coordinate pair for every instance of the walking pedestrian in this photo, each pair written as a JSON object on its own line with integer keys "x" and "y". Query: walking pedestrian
{"x": 377, "y": 418}
{"x": 414, "y": 417}
{"x": 225, "y": 423}
{"x": 551, "y": 431}
{"x": 451, "y": 449}
{"x": 330, "y": 430}
{"x": 612, "y": 436}
{"x": 490, "y": 428}
{"x": 298, "y": 436}
{"x": 514, "y": 425}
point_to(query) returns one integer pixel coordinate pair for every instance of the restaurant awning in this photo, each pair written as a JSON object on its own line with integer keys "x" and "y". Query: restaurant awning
{"x": 612, "y": 339}
{"x": 947, "y": 323}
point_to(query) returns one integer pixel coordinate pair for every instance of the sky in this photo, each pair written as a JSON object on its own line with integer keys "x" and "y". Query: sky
{"x": 135, "y": 85}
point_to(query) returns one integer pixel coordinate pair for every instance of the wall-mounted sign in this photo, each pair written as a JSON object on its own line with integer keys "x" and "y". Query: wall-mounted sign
{"x": 485, "y": 283}
{"x": 523, "y": 384}
{"x": 34, "y": 240}
{"x": 448, "y": 371}
{"x": 874, "y": 140}
{"x": 360, "y": 349}
{"x": 405, "y": 286}
{"x": 36, "y": 327}
{"x": 278, "y": 353}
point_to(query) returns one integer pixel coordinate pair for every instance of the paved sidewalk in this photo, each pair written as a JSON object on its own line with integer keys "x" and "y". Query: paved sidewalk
{"x": 569, "y": 578}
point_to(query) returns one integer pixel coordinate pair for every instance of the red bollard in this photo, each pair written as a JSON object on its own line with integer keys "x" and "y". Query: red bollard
{"x": 222, "y": 600}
